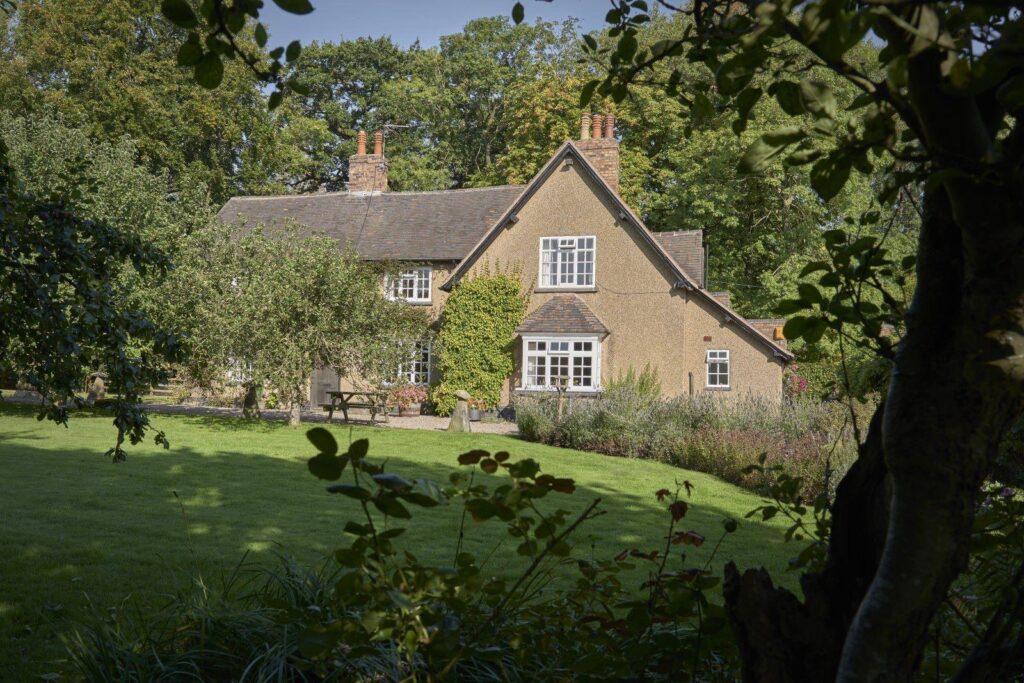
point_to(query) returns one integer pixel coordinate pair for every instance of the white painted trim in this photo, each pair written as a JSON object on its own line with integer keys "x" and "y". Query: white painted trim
{"x": 566, "y": 287}
{"x": 707, "y": 369}
{"x": 571, "y": 337}
{"x": 389, "y": 286}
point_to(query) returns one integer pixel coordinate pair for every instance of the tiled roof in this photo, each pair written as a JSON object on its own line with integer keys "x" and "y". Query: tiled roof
{"x": 562, "y": 314}
{"x": 412, "y": 226}
{"x": 686, "y": 247}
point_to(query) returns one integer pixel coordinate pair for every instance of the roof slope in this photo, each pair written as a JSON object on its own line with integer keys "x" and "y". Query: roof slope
{"x": 563, "y": 314}
{"x": 686, "y": 247}
{"x": 402, "y": 226}
{"x": 684, "y": 280}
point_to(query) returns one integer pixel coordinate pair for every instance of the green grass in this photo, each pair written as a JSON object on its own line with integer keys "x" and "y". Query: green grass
{"x": 76, "y": 528}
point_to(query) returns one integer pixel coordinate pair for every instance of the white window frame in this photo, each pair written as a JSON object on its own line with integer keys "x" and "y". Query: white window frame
{"x": 722, "y": 356}
{"x": 553, "y": 278}
{"x": 408, "y": 373}
{"x": 420, "y": 287}
{"x": 571, "y": 354}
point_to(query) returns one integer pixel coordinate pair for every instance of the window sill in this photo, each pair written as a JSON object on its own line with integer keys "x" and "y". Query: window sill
{"x": 551, "y": 391}
{"x": 417, "y": 302}
{"x": 717, "y": 388}
{"x": 553, "y": 290}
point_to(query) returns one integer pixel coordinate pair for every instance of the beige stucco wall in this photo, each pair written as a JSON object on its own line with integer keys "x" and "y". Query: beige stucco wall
{"x": 649, "y": 321}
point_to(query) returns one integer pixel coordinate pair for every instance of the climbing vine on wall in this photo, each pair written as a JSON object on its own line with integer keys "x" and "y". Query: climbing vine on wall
{"x": 474, "y": 347}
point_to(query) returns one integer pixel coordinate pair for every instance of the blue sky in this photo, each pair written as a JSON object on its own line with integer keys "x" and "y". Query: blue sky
{"x": 407, "y": 20}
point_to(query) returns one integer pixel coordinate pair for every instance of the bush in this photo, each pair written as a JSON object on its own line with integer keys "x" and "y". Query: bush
{"x": 474, "y": 346}
{"x": 809, "y": 439}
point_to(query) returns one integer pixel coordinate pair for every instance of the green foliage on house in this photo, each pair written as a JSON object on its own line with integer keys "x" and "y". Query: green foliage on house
{"x": 474, "y": 347}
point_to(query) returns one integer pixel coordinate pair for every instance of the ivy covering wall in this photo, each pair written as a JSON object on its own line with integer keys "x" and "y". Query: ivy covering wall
{"x": 474, "y": 347}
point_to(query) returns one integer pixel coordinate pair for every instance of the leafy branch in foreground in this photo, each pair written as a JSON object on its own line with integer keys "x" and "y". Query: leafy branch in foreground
{"x": 81, "y": 317}
{"x": 458, "y": 621}
{"x": 218, "y": 31}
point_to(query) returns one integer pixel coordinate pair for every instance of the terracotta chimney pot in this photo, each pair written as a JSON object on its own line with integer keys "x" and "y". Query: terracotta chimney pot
{"x": 361, "y": 142}
{"x": 609, "y": 125}
{"x": 596, "y": 130}
{"x": 378, "y": 142}
{"x": 584, "y": 126}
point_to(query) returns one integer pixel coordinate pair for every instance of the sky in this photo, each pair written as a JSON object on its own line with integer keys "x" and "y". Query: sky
{"x": 408, "y": 20}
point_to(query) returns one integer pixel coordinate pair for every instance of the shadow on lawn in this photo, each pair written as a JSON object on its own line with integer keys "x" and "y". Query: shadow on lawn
{"x": 110, "y": 530}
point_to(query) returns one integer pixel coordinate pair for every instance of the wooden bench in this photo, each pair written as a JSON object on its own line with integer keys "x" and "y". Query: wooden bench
{"x": 374, "y": 401}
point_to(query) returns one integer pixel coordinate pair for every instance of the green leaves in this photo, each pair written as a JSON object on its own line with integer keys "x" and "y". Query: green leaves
{"x": 179, "y": 13}
{"x": 323, "y": 440}
{"x": 518, "y": 13}
{"x": 829, "y": 175}
{"x": 209, "y": 71}
{"x": 295, "y": 6}
{"x": 769, "y": 146}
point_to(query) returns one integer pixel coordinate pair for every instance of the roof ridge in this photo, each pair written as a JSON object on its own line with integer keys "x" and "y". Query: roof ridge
{"x": 346, "y": 193}
{"x": 676, "y": 232}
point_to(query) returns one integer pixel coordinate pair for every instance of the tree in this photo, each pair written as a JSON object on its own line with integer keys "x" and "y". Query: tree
{"x": 940, "y": 117}
{"x": 271, "y": 308}
{"x": 63, "y": 309}
{"x": 112, "y": 69}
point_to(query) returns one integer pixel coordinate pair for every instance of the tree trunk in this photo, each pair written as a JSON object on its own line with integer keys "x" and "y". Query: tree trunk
{"x": 782, "y": 639}
{"x": 295, "y": 411}
{"x": 250, "y": 403}
{"x": 866, "y": 616}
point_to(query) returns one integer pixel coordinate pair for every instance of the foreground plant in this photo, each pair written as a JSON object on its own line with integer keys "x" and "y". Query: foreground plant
{"x": 456, "y": 620}
{"x": 939, "y": 120}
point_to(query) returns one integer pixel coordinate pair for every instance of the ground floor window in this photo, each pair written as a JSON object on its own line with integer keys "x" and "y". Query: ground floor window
{"x": 417, "y": 370}
{"x": 554, "y": 362}
{"x": 718, "y": 370}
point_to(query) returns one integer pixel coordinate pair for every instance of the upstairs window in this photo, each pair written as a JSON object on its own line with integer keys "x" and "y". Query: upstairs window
{"x": 417, "y": 370}
{"x": 413, "y": 285}
{"x": 567, "y": 261}
{"x": 718, "y": 370}
{"x": 555, "y": 362}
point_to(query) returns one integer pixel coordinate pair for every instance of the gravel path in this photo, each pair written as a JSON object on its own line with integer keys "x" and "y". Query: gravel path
{"x": 417, "y": 422}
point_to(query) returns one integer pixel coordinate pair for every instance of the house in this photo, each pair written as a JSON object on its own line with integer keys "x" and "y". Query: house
{"x": 605, "y": 293}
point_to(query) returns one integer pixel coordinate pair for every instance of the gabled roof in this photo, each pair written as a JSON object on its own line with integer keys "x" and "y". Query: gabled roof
{"x": 682, "y": 279}
{"x": 403, "y": 226}
{"x": 563, "y": 314}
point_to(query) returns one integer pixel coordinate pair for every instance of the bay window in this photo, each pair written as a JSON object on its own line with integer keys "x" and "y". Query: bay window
{"x": 554, "y": 362}
{"x": 567, "y": 262}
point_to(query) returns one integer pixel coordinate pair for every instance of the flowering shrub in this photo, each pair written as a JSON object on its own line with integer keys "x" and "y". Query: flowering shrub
{"x": 793, "y": 384}
{"x": 808, "y": 439}
{"x": 407, "y": 394}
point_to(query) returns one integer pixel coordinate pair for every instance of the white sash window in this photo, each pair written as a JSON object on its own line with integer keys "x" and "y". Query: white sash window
{"x": 567, "y": 261}
{"x": 412, "y": 285}
{"x": 718, "y": 370}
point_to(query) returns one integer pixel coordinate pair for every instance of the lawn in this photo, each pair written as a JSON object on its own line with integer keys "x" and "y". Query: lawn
{"x": 76, "y": 528}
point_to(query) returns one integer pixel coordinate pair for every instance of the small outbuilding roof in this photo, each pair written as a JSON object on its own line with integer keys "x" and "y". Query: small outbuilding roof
{"x": 563, "y": 314}
{"x": 400, "y": 226}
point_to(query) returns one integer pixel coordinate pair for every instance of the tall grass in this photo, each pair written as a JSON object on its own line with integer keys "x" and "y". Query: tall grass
{"x": 807, "y": 438}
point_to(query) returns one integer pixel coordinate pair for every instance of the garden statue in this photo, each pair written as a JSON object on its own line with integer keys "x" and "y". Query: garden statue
{"x": 460, "y": 416}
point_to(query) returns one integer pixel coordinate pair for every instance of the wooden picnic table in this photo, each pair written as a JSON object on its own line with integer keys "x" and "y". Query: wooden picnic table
{"x": 374, "y": 401}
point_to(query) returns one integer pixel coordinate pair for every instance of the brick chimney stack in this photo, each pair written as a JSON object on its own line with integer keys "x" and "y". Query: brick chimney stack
{"x": 597, "y": 142}
{"x": 368, "y": 172}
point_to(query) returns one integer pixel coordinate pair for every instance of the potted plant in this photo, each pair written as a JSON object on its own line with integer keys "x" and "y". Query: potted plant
{"x": 475, "y": 408}
{"x": 408, "y": 398}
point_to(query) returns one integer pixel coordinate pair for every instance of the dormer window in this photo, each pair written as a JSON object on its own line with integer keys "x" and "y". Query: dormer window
{"x": 567, "y": 262}
{"x": 413, "y": 285}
